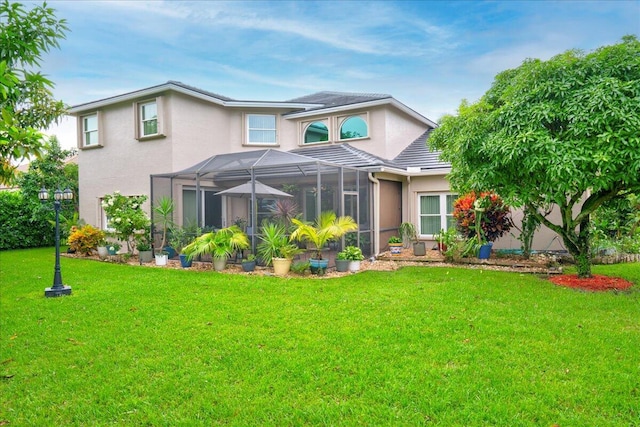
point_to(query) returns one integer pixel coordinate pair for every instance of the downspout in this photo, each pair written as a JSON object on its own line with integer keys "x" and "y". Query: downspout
{"x": 254, "y": 213}
{"x": 376, "y": 213}
{"x": 410, "y": 203}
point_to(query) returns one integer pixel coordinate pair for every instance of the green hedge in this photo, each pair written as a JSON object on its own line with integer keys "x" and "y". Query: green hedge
{"x": 24, "y": 223}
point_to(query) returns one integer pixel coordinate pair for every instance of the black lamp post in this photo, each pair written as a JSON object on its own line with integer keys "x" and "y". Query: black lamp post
{"x": 58, "y": 289}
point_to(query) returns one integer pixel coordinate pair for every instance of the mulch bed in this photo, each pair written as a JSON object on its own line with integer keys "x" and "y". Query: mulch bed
{"x": 594, "y": 283}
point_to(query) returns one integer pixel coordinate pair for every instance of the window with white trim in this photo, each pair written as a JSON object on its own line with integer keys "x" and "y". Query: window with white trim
{"x": 148, "y": 115}
{"x": 149, "y": 119}
{"x": 353, "y": 127}
{"x": 316, "y": 132}
{"x": 90, "y": 136}
{"x": 261, "y": 129}
{"x": 436, "y": 213}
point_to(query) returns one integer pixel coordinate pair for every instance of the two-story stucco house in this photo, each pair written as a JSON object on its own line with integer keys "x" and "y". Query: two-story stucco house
{"x": 359, "y": 154}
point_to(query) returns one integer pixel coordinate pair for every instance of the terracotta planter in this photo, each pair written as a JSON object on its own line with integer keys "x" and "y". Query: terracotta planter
{"x": 281, "y": 266}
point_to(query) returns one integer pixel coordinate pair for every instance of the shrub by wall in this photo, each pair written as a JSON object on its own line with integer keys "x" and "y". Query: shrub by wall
{"x": 24, "y": 223}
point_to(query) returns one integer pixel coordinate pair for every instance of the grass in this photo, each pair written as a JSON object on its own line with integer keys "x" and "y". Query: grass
{"x": 419, "y": 346}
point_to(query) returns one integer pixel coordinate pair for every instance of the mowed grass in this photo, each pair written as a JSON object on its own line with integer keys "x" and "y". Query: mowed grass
{"x": 419, "y": 346}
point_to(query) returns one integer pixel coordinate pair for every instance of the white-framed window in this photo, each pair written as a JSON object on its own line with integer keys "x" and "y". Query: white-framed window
{"x": 261, "y": 129}
{"x": 316, "y": 132}
{"x": 435, "y": 212}
{"x": 353, "y": 127}
{"x": 149, "y": 119}
{"x": 90, "y": 136}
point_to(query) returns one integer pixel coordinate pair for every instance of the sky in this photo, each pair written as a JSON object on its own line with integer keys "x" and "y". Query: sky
{"x": 429, "y": 55}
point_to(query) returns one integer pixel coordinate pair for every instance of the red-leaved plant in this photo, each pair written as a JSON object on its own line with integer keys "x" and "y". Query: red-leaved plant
{"x": 495, "y": 218}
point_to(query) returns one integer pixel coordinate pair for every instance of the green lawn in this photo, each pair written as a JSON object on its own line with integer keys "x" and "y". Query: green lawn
{"x": 419, "y": 346}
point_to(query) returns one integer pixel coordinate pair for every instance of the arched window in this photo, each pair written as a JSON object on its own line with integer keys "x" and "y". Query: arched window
{"x": 353, "y": 127}
{"x": 316, "y": 132}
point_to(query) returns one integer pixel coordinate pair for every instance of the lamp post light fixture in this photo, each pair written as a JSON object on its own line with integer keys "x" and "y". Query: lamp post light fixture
{"x": 58, "y": 289}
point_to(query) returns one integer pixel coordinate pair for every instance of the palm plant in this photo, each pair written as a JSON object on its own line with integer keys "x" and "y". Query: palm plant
{"x": 326, "y": 228}
{"x": 219, "y": 244}
{"x": 275, "y": 243}
{"x": 164, "y": 209}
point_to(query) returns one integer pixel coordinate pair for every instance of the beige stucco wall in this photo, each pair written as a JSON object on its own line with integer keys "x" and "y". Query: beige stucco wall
{"x": 544, "y": 239}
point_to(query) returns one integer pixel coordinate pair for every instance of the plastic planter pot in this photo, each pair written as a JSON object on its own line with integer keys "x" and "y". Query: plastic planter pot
{"x": 485, "y": 251}
{"x": 342, "y": 265}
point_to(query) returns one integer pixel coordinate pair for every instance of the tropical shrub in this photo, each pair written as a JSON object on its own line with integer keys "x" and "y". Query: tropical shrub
{"x": 85, "y": 239}
{"x": 495, "y": 219}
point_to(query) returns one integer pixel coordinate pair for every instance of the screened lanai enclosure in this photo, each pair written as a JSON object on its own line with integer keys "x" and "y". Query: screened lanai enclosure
{"x": 247, "y": 188}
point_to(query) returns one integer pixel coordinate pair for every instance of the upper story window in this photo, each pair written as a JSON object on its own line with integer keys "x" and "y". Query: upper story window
{"x": 354, "y": 127}
{"x": 90, "y": 137}
{"x": 316, "y": 132}
{"x": 436, "y": 213}
{"x": 261, "y": 129}
{"x": 149, "y": 118}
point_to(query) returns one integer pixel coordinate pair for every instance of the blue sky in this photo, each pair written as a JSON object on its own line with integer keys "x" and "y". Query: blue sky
{"x": 427, "y": 54}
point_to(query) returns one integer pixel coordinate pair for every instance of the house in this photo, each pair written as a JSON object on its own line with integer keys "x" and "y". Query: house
{"x": 359, "y": 154}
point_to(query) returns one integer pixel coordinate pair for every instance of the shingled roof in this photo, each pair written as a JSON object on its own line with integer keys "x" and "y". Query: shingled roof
{"x": 343, "y": 154}
{"x": 419, "y": 155}
{"x": 337, "y": 99}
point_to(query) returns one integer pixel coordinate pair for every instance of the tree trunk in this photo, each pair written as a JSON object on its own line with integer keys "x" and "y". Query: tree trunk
{"x": 578, "y": 246}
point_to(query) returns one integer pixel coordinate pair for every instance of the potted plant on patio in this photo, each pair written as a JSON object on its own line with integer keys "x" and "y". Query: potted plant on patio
{"x": 395, "y": 245}
{"x": 249, "y": 263}
{"x": 342, "y": 263}
{"x": 164, "y": 219}
{"x": 143, "y": 244}
{"x": 178, "y": 239}
{"x": 355, "y": 256}
{"x": 482, "y": 218}
{"x": 326, "y": 228}
{"x": 113, "y": 248}
{"x": 219, "y": 244}
{"x": 276, "y": 249}
{"x": 408, "y": 234}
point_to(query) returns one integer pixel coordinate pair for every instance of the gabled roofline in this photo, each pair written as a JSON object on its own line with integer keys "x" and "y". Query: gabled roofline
{"x": 367, "y": 104}
{"x": 189, "y": 91}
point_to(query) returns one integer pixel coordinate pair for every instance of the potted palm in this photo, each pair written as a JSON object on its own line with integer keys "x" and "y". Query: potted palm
{"x": 276, "y": 249}
{"x": 326, "y": 228}
{"x": 164, "y": 211}
{"x": 219, "y": 244}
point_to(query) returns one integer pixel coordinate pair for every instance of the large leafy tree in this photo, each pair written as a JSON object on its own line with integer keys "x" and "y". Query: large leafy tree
{"x": 562, "y": 133}
{"x": 26, "y": 102}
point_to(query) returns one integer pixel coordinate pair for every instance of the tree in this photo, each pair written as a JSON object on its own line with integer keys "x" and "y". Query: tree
{"x": 26, "y": 102}
{"x": 562, "y": 132}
